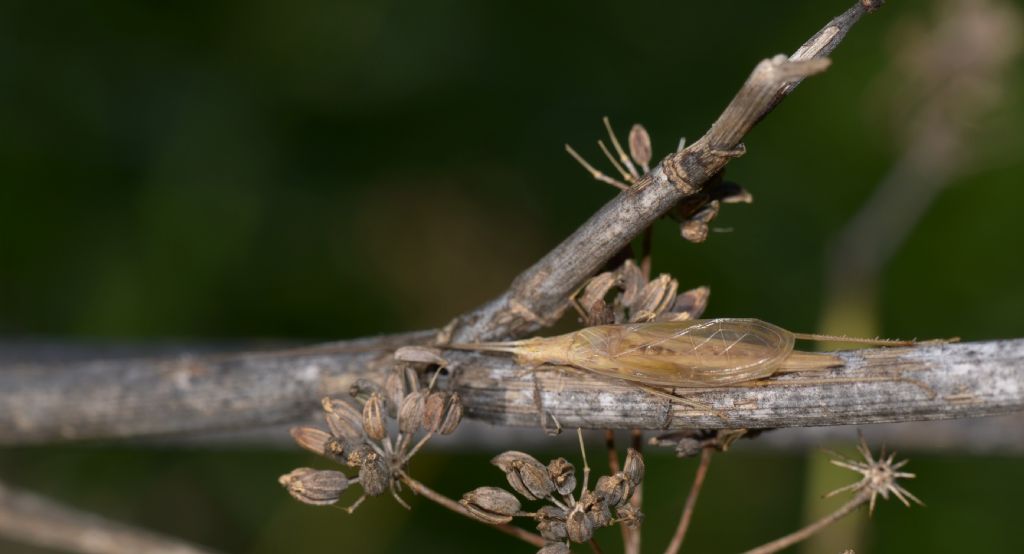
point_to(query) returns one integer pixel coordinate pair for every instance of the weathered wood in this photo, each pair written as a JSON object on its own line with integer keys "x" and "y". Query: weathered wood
{"x": 192, "y": 395}
{"x": 131, "y": 398}
{"x": 930, "y": 382}
{"x": 539, "y": 295}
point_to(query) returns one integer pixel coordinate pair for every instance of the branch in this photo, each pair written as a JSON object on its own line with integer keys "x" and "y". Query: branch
{"x": 32, "y": 519}
{"x": 928, "y": 382}
{"x": 940, "y": 381}
{"x": 538, "y": 296}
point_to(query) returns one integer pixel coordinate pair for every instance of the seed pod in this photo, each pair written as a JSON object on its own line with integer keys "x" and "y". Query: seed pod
{"x": 615, "y": 489}
{"x": 412, "y": 379}
{"x": 634, "y": 467}
{"x": 374, "y": 475}
{"x": 596, "y": 508}
{"x": 578, "y": 526}
{"x": 551, "y": 523}
{"x": 310, "y": 438}
{"x": 338, "y": 449}
{"x": 434, "y": 411}
{"x": 373, "y": 417}
{"x": 425, "y": 355}
{"x": 343, "y": 420}
{"x": 410, "y": 415}
{"x": 452, "y": 416}
{"x": 491, "y": 504}
{"x": 359, "y": 455}
{"x": 555, "y": 548}
{"x": 629, "y": 515}
{"x": 363, "y": 388}
{"x": 395, "y": 388}
{"x": 563, "y": 474}
{"x": 640, "y": 146}
{"x": 525, "y": 474}
{"x": 316, "y": 487}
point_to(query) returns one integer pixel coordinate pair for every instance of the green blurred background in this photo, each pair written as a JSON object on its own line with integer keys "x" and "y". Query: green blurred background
{"x": 317, "y": 170}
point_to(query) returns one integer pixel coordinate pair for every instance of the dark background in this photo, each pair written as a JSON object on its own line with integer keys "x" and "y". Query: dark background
{"x": 315, "y": 170}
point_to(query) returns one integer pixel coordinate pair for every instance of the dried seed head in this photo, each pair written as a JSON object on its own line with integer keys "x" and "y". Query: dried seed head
{"x": 655, "y": 297}
{"x": 578, "y": 525}
{"x": 563, "y": 474}
{"x": 689, "y": 305}
{"x": 363, "y": 388}
{"x": 525, "y": 474}
{"x": 425, "y": 355}
{"x": 374, "y": 475}
{"x": 615, "y": 489}
{"x": 343, "y": 420}
{"x": 634, "y": 467}
{"x": 453, "y": 415}
{"x": 356, "y": 456}
{"x": 410, "y": 414}
{"x": 412, "y": 379}
{"x": 316, "y": 487}
{"x": 434, "y": 410}
{"x": 551, "y": 523}
{"x": 640, "y": 146}
{"x": 395, "y": 388}
{"x": 695, "y": 227}
{"x": 310, "y": 438}
{"x": 596, "y": 508}
{"x": 555, "y": 548}
{"x": 633, "y": 281}
{"x": 373, "y": 417}
{"x": 337, "y": 449}
{"x": 491, "y": 504}
{"x": 628, "y": 514}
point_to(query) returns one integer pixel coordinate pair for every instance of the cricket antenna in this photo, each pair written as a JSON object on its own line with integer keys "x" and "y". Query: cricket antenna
{"x": 509, "y": 347}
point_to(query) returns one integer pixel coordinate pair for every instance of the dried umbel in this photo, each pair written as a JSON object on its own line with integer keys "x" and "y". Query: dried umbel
{"x": 636, "y": 299}
{"x": 565, "y": 517}
{"x": 362, "y": 438}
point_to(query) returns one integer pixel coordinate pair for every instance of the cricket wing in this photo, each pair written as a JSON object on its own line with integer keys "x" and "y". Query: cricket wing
{"x": 695, "y": 353}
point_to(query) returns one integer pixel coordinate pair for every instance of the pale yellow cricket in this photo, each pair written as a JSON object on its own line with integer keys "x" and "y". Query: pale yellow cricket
{"x": 696, "y": 353}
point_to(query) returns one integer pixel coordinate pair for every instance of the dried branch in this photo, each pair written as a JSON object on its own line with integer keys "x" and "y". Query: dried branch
{"x": 191, "y": 395}
{"x": 32, "y": 519}
{"x": 539, "y": 295}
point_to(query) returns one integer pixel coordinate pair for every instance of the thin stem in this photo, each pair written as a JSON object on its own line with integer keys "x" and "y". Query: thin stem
{"x": 594, "y": 546}
{"x": 436, "y": 497}
{"x": 615, "y": 467}
{"x": 802, "y": 534}
{"x": 419, "y": 445}
{"x": 586, "y": 467}
{"x": 691, "y": 502}
{"x": 632, "y": 546}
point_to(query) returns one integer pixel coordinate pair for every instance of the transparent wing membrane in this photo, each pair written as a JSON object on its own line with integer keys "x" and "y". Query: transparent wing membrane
{"x": 696, "y": 353}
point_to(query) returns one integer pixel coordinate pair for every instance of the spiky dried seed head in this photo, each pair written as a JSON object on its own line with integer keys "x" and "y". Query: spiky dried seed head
{"x": 374, "y": 475}
{"x": 410, "y": 414}
{"x": 563, "y": 474}
{"x": 452, "y": 416}
{"x": 578, "y": 525}
{"x": 343, "y": 420}
{"x": 640, "y": 146}
{"x": 310, "y": 438}
{"x": 634, "y": 467}
{"x": 316, "y": 487}
{"x": 373, "y": 417}
{"x": 491, "y": 504}
{"x": 551, "y": 523}
{"x": 525, "y": 474}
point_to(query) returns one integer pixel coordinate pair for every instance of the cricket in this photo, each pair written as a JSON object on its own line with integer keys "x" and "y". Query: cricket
{"x": 695, "y": 353}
